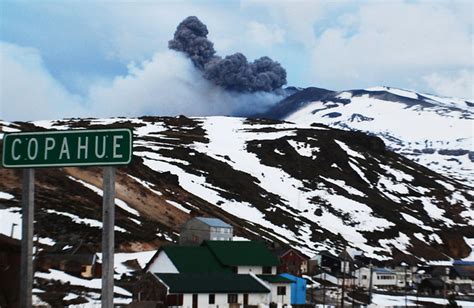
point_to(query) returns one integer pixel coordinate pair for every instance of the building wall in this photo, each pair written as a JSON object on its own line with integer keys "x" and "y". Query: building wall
{"x": 298, "y": 289}
{"x": 292, "y": 263}
{"x": 364, "y": 280}
{"x": 87, "y": 271}
{"x": 257, "y": 270}
{"x": 280, "y": 299}
{"x": 163, "y": 264}
{"x": 221, "y": 300}
{"x": 221, "y": 234}
{"x": 193, "y": 232}
{"x": 149, "y": 289}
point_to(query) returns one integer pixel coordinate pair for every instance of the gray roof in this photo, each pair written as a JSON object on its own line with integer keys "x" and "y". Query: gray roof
{"x": 382, "y": 270}
{"x": 214, "y": 222}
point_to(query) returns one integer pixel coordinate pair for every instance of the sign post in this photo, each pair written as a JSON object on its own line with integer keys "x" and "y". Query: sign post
{"x": 108, "y": 222}
{"x": 27, "y": 217}
{"x": 105, "y": 147}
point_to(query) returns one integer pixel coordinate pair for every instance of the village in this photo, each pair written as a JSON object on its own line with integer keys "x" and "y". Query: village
{"x": 211, "y": 268}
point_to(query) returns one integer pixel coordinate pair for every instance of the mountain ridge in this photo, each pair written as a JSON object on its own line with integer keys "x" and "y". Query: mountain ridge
{"x": 433, "y": 131}
{"x": 309, "y": 187}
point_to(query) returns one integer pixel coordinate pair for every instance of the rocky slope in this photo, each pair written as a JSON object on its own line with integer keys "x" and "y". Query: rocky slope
{"x": 434, "y": 131}
{"x": 311, "y": 187}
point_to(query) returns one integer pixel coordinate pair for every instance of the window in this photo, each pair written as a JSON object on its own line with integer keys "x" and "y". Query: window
{"x": 232, "y": 298}
{"x": 212, "y": 298}
{"x": 281, "y": 290}
{"x": 267, "y": 270}
{"x": 364, "y": 277}
{"x": 174, "y": 300}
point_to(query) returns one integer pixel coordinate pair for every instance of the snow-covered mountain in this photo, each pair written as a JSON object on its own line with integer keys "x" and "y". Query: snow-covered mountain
{"x": 311, "y": 187}
{"x": 434, "y": 131}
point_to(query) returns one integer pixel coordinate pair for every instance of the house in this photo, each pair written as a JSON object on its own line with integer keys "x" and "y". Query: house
{"x": 292, "y": 262}
{"x": 381, "y": 277}
{"x": 10, "y": 252}
{"x": 463, "y": 281}
{"x": 405, "y": 267}
{"x": 196, "y": 290}
{"x": 80, "y": 260}
{"x": 431, "y": 286}
{"x": 298, "y": 289}
{"x": 244, "y": 257}
{"x": 326, "y": 261}
{"x": 199, "y": 229}
{"x": 224, "y": 258}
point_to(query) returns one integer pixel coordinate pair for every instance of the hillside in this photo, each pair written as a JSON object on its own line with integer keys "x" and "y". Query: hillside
{"x": 434, "y": 131}
{"x": 310, "y": 187}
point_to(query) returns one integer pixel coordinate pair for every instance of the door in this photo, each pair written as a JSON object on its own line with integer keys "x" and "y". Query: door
{"x": 246, "y": 300}
{"x": 195, "y": 301}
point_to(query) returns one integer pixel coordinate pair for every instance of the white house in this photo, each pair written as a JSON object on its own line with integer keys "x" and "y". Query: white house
{"x": 381, "y": 277}
{"x": 198, "y": 290}
{"x": 222, "y": 267}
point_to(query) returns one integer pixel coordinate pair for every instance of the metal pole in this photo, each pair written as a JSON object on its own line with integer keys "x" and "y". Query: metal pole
{"x": 343, "y": 280}
{"x": 353, "y": 283}
{"x": 406, "y": 283}
{"x": 370, "y": 283}
{"x": 26, "y": 269}
{"x": 324, "y": 290}
{"x": 108, "y": 240}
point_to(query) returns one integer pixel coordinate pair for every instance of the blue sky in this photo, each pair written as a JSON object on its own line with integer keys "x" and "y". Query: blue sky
{"x": 89, "y": 58}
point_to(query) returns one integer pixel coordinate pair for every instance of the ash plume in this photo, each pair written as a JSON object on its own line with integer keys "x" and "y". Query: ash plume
{"x": 233, "y": 72}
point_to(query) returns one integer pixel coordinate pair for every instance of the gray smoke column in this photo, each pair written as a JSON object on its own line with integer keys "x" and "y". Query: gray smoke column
{"x": 233, "y": 72}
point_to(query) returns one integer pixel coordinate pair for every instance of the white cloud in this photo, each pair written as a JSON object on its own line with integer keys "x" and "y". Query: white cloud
{"x": 296, "y": 17}
{"x": 168, "y": 84}
{"x": 264, "y": 35}
{"x": 460, "y": 84}
{"x": 28, "y": 91}
{"x": 386, "y": 41}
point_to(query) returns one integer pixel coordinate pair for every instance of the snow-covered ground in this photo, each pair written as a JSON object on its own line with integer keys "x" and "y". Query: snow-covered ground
{"x": 423, "y": 132}
{"x": 382, "y": 300}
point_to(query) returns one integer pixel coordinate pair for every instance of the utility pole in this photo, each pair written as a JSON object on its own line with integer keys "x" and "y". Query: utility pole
{"x": 405, "y": 267}
{"x": 406, "y": 283}
{"x": 343, "y": 279}
{"x": 108, "y": 239}
{"x": 324, "y": 291}
{"x": 353, "y": 283}
{"x": 370, "y": 283}
{"x": 26, "y": 261}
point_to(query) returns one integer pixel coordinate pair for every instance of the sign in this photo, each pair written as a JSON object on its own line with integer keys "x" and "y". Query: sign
{"x": 67, "y": 148}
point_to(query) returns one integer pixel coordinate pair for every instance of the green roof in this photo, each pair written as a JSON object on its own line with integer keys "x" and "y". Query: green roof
{"x": 235, "y": 253}
{"x": 274, "y": 279}
{"x": 211, "y": 283}
{"x": 193, "y": 259}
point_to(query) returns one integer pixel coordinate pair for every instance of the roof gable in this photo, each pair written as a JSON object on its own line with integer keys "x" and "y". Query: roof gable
{"x": 235, "y": 253}
{"x": 211, "y": 283}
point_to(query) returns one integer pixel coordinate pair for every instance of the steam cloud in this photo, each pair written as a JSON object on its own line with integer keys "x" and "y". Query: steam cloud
{"x": 233, "y": 72}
